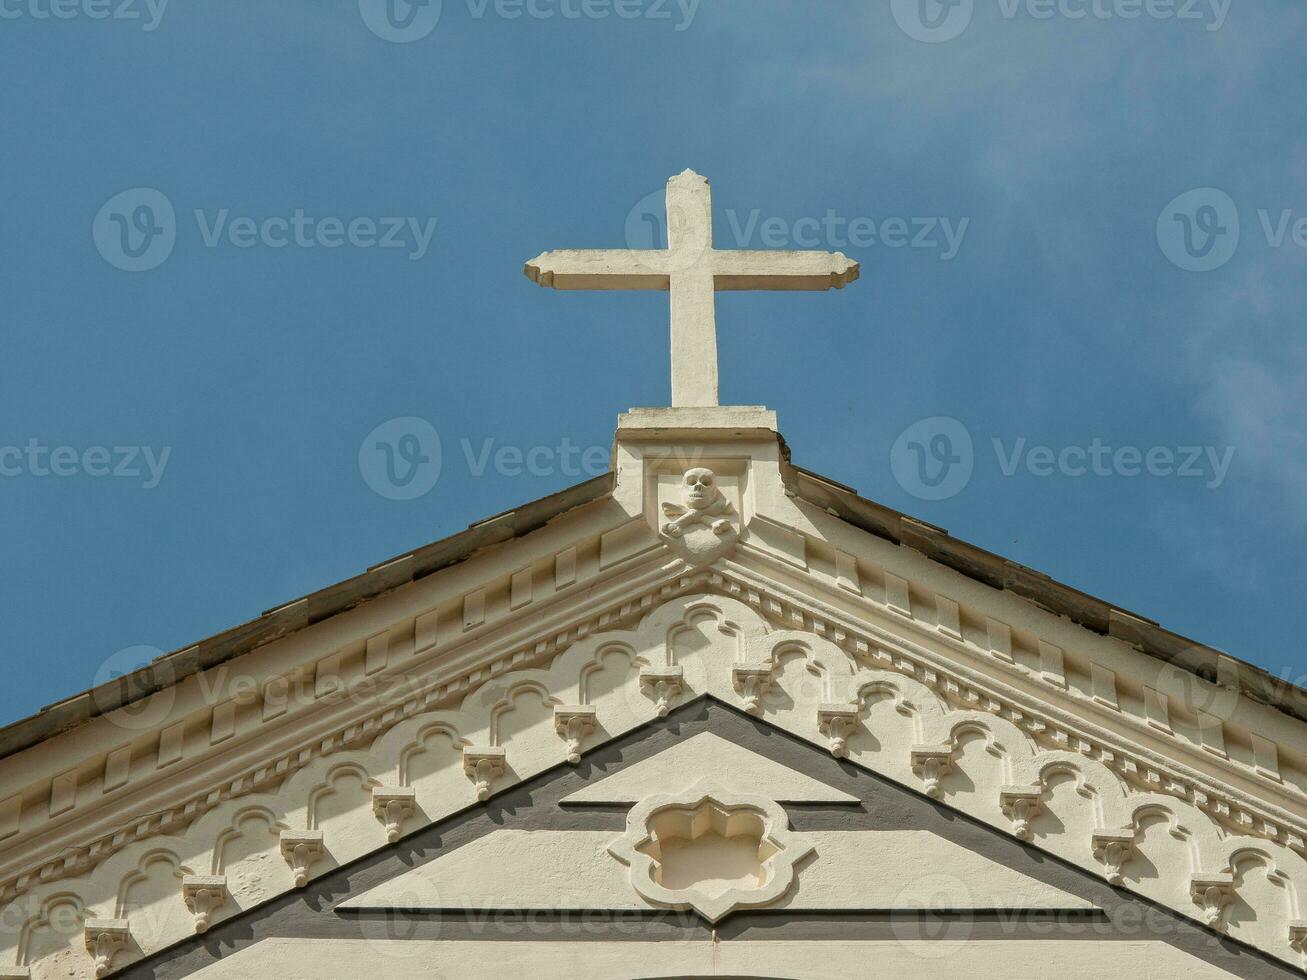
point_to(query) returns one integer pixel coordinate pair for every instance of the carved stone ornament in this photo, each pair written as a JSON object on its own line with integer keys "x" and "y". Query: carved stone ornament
{"x": 393, "y": 805}
{"x": 1298, "y": 938}
{"x": 301, "y": 849}
{"x": 105, "y": 939}
{"x": 838, "y": 722}
{"x": 1212, "y": 893}
{"x": 709, "y": 849}
{"x": 1114, "y": 848}
{"x": 931, "y": 763}
{"x": 663, "y": 684}
{"x": 574, "y": 723}
{"x": 203, "y": 894}
{"x": 1021, "y": 804}
{"x": 483, "y": 766}
{"x": 700, "y": 527}
{"x": 751, "y": 681}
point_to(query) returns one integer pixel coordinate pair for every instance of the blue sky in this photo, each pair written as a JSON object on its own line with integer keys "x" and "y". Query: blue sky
{"x": 1078, "y": 309}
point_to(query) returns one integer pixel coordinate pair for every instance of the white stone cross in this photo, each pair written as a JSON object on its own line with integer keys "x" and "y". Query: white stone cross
{"x": 692, "y": 270}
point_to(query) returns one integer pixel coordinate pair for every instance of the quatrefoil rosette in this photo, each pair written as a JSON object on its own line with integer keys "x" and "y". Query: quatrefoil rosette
{"x": 709, "y": 849}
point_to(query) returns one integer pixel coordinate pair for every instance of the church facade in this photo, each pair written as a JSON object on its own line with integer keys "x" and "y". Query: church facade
{"x": 710, "y": 715}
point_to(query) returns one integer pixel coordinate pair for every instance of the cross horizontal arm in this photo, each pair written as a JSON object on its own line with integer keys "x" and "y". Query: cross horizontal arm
{"x": 737, "y": 270}
{"x": 600, "y": 268}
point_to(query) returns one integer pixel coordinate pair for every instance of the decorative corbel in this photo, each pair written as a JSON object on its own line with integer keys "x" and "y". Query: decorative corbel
{"x": 751, "y": 682}
{"x": 1298, "y": 938}
{"x": 1020, "y": 804}
{"x": 393, "y": 805}
{"x": 483, "y": 766}
{"x": 663, "y": 684}
{"x": 1213, "y": 892}
{"x": 1113, "y": 848}
{"x": 301, "y": 849}
{"x": 837, "y": 722}
{"x": 574, "y": 723}
{"x": 202, "y": 895}
{"x": 930, "y": 764}
{"x": 105, "y": 939}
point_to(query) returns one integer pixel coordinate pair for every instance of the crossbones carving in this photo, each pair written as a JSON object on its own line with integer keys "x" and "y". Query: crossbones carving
{"x": 704, "y": 504}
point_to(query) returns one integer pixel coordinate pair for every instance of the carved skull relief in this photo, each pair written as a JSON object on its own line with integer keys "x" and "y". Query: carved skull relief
{"x": 703, "y": 504}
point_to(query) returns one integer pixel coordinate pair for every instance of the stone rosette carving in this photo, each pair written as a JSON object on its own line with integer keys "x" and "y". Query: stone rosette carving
{"x": 700, "y": 527}
{"x": 675, "y": 843}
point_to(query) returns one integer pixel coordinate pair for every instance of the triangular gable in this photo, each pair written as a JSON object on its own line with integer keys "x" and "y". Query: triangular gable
{"x": 443, "y": 692}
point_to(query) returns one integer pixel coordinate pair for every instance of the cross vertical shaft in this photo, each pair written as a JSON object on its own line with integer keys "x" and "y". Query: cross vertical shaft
{"x": 694, "y": 319}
